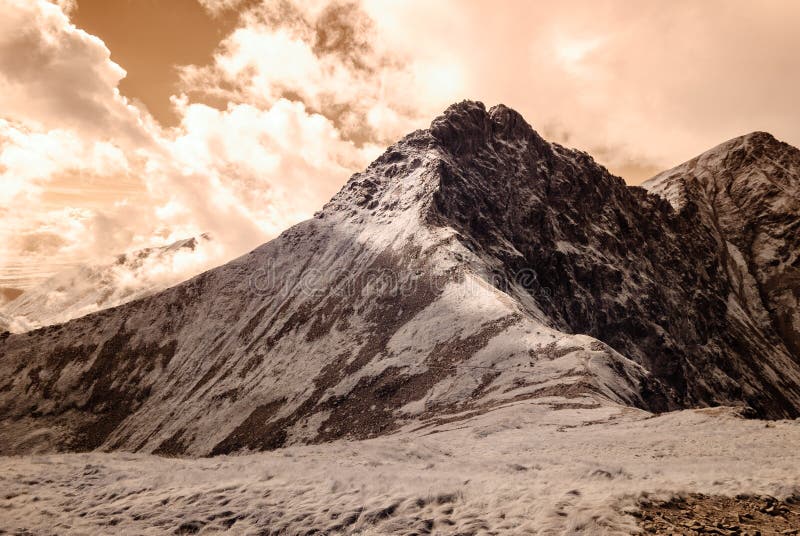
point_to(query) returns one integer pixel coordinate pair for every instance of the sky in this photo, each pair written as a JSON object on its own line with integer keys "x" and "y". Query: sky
{"x": 133, "y": 123}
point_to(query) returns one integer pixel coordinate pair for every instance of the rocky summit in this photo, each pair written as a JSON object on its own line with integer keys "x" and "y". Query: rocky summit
{"x": 472, "y": 265}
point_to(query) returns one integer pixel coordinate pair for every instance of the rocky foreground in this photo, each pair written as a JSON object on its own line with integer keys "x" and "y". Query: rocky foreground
{"x": 522, "y": 469}
{"x": 719, "y": 514}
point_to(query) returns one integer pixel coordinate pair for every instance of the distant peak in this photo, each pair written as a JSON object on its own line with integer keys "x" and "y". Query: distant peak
{"x": 758, "y": 136}
{"x": 747, "y": 158}
{"x": 758, "y": 141}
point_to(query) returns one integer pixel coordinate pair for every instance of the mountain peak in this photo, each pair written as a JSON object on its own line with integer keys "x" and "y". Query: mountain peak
{"x": 753, "y": 162}
{"x": 471, "y": 265}
{"x": 753, "y": 144}
{"x": 467, "y": 125}
{"x": 394, "y": 180}
{"x": 758, "y": 136}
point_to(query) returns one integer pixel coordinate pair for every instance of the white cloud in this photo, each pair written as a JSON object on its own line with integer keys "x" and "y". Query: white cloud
{"x": 243, "y": 173}
{"x": 60, "y": 77}
{"x": 329, "y": 57}
{"x": 216, "y": 7}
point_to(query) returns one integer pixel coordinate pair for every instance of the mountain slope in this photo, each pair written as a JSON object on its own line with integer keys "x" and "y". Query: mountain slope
{"x": 472, "y": 264}
{"x": 607, "y": 260}
{"x": 87, "y": 288}
{"x": 748, "y": 191}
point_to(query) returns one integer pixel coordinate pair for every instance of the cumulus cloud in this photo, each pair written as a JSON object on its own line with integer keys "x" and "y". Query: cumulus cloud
{"x": 329, "y": 57}
{"x": 30, "y": 158}
{"x": 61, "y": 118}
{"x": 243, "y": 171}
{"x": 58, "y": 76}
{"x": 216, "y": 7}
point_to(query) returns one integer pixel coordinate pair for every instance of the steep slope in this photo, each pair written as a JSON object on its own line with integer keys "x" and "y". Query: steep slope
{"x": 87, "y": 288}
{"x": 748, "y": 191}
{"x": 607, "y": 260}
{"x": 472, "y": 264}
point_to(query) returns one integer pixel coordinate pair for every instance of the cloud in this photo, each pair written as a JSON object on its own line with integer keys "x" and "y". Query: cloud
{"x": 88, "y": 287}
{"x": 60, "y": 77}
{"x": 300, "y": 95}
{"x": 217, "y": 7}
{"x": 328, "y": 57}
{"x": 243, "y": 172}
{"x": 640, "y": 84}
{"x": 67, "y": 6}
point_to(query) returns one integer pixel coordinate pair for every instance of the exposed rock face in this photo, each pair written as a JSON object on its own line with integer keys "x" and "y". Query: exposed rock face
{"x": 610, "y": 261}
{"x": 473, "y": 264}
{"x": 747, "y": 191}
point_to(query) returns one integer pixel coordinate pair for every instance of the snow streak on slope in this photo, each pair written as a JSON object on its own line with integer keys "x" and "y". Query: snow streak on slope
{"x": 84, "y": 289}
{"x": 522, "y": 469}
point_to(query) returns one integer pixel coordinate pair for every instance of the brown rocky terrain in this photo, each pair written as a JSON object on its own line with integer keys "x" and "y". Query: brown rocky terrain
{"x": 742, "y": 515}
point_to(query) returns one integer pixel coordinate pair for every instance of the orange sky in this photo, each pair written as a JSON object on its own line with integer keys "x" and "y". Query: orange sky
{"x": 150, "y": 38}
{"x": 129, "y": 123}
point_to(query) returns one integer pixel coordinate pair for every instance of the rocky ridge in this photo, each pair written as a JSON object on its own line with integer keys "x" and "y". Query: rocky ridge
{"x": 472, "y": 265}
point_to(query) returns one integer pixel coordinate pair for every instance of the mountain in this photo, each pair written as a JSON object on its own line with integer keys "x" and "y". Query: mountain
{"x": 472, "y": 265}
{"x": 747, "y": 191}
{"x": 86, "y": 288}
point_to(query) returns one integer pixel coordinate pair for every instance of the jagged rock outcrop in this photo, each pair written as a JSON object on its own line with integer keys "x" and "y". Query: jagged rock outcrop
{"x": 473, "y": 264}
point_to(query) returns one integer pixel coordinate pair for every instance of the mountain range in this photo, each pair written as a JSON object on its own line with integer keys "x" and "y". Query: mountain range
{"x": 89, "y": 287}
{"x": 472, "y": 265}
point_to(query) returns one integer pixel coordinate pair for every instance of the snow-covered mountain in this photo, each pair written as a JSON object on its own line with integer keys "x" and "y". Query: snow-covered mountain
{"x": 472, "y": 265}
{"x": 87, "y": 288}
{"x": 747, "y": 191}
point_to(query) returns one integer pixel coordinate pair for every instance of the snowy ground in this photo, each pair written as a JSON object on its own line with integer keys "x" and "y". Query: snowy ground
{"x": 522, "y": 469}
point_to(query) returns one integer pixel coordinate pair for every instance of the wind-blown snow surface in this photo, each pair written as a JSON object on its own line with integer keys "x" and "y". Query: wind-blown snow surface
{"x": 87, "y": 288}
{"x": 521, "y": 469}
